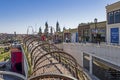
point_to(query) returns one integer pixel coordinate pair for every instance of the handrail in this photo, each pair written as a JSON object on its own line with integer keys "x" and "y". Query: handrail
{"x": 13, "y": 74}
{"x": 25, "y": 63}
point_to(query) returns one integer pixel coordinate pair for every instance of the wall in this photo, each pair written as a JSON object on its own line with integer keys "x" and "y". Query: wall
{"x": 105, "y": 52}
{"x": 108, "y": 32}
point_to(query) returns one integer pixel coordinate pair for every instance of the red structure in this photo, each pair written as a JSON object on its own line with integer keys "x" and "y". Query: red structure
{"x": 43, "y": 38}
{"x": 16, "y": 60}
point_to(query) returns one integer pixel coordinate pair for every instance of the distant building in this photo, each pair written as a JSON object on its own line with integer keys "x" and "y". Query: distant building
{"x": 74, "y": 35}
{"x": 113, "y": 23}
{"x": 84, "y": 33}
{"x": 101, "y": 31}
{"x": 58, "y": 37}
{"x": 90, "y": 33}
{"x": 67, "y": 35}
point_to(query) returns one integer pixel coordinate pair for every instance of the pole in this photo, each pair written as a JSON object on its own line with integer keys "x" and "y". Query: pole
{"x": 95, "y": 20}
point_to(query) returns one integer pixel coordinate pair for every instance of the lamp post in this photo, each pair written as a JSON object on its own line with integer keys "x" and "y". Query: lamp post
{"x": 95, "y": 21}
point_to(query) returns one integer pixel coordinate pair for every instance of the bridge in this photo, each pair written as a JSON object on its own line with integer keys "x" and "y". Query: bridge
{"x": 49, "y": 62}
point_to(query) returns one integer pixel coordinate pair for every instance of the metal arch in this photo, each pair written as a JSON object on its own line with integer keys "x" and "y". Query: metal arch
{"x": 45, "y": 59}
{"x": 42, "y": 67}
{"x": 29, "y": 37}
{"x": 32, "y": 51}
{"x": 29, "y": 28}
{"x": 25, "y": 38}
{"x": 55, "y": 49}
{"x": 53, "y": 53}
{"x": 52, "y": 75}
{"x": 34, "y": 39}
{"x": 36, "y": 56}
{"x": 34, "y": 46}
{"x": 39, "y": 46}
{"x": 69, "y": 61}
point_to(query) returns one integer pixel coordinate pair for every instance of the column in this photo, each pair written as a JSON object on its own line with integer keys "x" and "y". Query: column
{"x": 90, "y": 64}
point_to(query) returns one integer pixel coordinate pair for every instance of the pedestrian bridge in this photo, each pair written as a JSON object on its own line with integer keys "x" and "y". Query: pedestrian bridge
{"x": 47, "y": 62}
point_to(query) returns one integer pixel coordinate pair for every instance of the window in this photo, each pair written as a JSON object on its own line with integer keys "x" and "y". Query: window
{"x": 113, "y": 17}
{"x": 110, "y": 18}
{"x": 117, "y": 16}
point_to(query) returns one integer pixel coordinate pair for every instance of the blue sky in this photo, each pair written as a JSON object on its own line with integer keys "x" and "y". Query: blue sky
{"x": 17, "y": 15}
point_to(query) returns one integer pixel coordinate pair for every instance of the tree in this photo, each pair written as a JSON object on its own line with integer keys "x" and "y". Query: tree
{"x": 57, "y": 27}
{"x": 51, "y": 30}
{"x": 46, "y": 29}
{"x": 64, "y": 28}
{"x": 40, "y": 31}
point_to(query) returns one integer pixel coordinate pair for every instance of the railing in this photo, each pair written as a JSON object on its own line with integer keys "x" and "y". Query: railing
{"x": 13, "y": 74}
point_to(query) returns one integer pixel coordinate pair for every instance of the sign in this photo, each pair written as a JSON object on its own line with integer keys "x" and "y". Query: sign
{"x": 76, "y": 36}
{"x": 114, "y": 35}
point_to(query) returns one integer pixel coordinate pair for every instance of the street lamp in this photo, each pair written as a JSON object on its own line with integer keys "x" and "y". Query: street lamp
{"x": 95, "y": 21}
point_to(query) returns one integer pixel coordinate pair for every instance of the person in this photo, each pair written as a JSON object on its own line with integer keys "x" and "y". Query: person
{"x": 66, "y": 39}
{"x": 99, "y": 37}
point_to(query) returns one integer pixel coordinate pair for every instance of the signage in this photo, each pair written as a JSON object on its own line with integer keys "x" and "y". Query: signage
{"x": 76, "y": 36}
{"x": 114, "y": 35}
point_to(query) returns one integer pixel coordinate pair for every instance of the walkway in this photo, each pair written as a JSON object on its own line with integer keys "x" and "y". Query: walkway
{"x": 47, "y": 59}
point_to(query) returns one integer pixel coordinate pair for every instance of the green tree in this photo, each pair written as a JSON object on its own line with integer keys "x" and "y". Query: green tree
{"x": 40, "y": 31}
{"x": 46, "y": 29}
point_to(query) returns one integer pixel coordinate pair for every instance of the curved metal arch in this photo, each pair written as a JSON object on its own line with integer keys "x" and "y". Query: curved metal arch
{"x": 40, "y": 42}
{"x": 26, "y": 37}
{"x": 52, "y": 75}
{"x": 36, "y": 57}
{"x": 34, "y": 39}
{"x": 56, "y": 52}
{"x": 41, "y": 45}
{"x": 29, "y": 37}
{"x": 70, "y": 61}
{"x": 36, "y": 69}
{"x": 33, "y": 49}
{"x": 29, "y": 28}
{"x": 44, "y": 60}
{"x": 34, "y": 52}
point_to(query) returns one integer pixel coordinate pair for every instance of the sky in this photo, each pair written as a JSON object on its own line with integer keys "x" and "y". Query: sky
{"x": 18, "y": 15}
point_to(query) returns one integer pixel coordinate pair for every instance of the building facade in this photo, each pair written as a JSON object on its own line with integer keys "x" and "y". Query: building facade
{"x": 84, "y": 33}
{"x": 74, "y": 35}
{"x": 113, "y": 23}
{"x": 99, "y": 32}
{"x": 67, "y": 35}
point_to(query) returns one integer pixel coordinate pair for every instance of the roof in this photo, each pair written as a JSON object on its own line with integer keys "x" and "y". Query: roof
{"x": 71, "y": 30}
{"x": 113, "y": 4}
{"x": 113, "y": 7}
{"x": 15, "y": 50}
